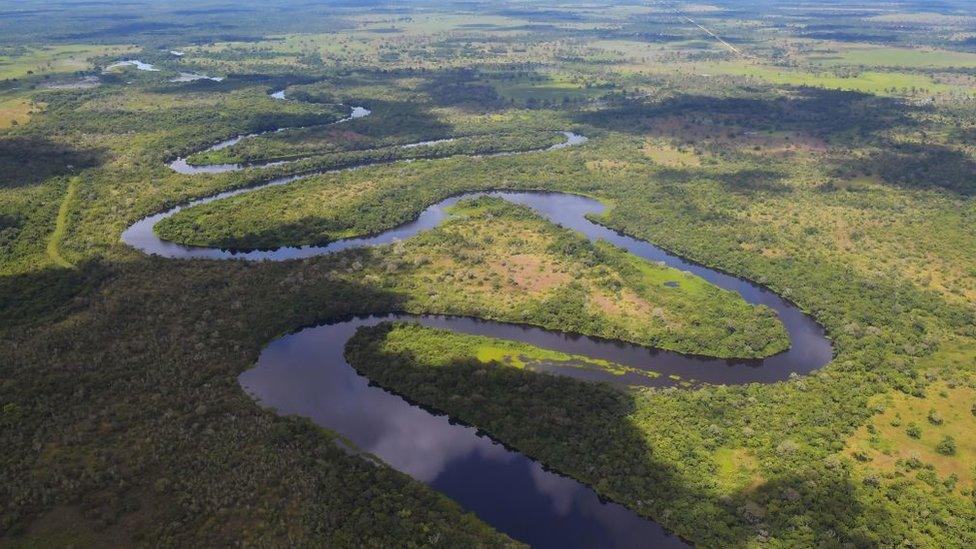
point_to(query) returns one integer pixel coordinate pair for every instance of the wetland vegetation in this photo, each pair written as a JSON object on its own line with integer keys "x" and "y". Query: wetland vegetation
{"x": 824, "y": 151}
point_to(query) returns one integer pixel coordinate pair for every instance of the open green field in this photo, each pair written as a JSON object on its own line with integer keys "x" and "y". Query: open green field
{"x": 50, "y": 59}
{"x": 874, "y": 82}
{"x": 15, "y": 110}
{"x": 554, "y": 89}
{"x": 439, "y": 348}
{"x": 904, "y": 58}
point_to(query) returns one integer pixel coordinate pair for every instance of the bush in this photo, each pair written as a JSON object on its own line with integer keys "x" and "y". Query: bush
{"x": 946, "y": 446}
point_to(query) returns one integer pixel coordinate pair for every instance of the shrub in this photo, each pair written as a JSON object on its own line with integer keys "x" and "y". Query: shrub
{"x": 946, "y": 446}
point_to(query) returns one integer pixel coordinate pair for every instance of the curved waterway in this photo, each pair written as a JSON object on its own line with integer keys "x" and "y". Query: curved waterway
{"x": 181, "y": 165}
{"x": 305, "y": 373}
{"x": 183, "y": 76}
{"x": 139, "y": 65}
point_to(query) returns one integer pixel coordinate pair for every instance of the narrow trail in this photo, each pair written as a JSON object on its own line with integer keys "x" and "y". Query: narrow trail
{"x": 680, "y": 13}
{"x": 61, "y": 226}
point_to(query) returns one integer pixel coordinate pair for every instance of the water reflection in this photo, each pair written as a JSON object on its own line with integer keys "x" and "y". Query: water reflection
{"x": 131, "y": 63}
{"x": 306, "y": 374}
{"x": 193, "y": 77}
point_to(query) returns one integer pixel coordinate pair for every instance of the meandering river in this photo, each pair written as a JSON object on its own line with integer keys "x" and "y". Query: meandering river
{"x": 305, "y": 373}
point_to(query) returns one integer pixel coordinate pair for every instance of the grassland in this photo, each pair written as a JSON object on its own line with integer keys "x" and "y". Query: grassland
{"x": 875, "y": 70}
{"x": 438, "y": 348}
{"x": 903, "y": 58}
{"x": 15, "y": 110}
{"x": 543, "y": 89}
{"x": 888, "y": 447}
{"x": 498, "y": 261}
{"x": 61, "y": 226}
{"x": 667, "y": 154}
{"x": 874, "y": 82}
{"x": 904, "y": 438}
{"x": 24, "y": 68}
{"x": 53, "y": 59}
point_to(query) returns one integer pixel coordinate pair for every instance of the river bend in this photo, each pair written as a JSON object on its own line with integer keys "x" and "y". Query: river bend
{"x": 305, "y": 373}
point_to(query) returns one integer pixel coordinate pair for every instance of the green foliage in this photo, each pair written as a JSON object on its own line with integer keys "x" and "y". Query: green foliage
{"x": 628, "y": 445}
{"x": 946, "y": 446}
{"x": 499, "y": 261}
{"x": 121, "y": 420}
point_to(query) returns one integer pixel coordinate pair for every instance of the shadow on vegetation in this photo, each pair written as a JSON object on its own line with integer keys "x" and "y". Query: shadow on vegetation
{"x": 213, "y": 11}
{"x": 744, "y": 182}
{"x": 852, "y": 37}
{"x": 403, "y": 119}
{"x": 143, "y": 386}
{"x": 648, "y": 37}
{"x": 125, "y": 29}
{"x": 28, "y": 160}
{"x": 462, "y": 88}
{"x": 842, "y": 117}
{"x": 918, "y": 166}
{"x": 753, "y": 181}
{"x": 539, "y": 14}
{"x": 282, "y": 234}
{"x": 8, "y": 221}
{"x": 43, "y": 296}
{"x": 588, "y": 431}
{"x": 814, "y": 111}
{"x": 234, "y": 82}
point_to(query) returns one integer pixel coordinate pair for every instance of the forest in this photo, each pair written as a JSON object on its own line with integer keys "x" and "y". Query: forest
{"x": 825, "y": 152}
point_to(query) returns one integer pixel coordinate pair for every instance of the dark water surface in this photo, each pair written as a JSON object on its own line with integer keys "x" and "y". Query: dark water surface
{"x": 305, "y": 373}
